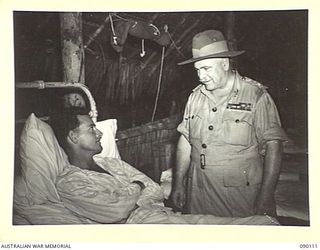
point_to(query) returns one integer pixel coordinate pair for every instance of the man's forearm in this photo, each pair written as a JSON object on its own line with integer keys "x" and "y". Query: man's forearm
{"x": 271, "y": 172}
{"x": 182, "y": 160}
{"x": 272, "y": 167}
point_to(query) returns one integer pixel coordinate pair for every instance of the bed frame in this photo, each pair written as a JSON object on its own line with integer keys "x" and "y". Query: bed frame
{"x": 46, "y": 85}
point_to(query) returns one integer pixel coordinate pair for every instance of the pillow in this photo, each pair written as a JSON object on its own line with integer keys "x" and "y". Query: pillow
{"x": 42, "y": 159}
{"x": 108, "y": 141}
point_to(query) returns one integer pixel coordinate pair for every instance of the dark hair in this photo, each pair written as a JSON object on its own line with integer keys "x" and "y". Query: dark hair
{"x": 65, "y": 121}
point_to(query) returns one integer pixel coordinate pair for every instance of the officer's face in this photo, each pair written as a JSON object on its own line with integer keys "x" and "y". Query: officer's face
{"x": 212, "y": 72}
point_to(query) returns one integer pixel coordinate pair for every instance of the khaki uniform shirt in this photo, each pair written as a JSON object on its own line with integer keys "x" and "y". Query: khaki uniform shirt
{"x": 228, "y": 139}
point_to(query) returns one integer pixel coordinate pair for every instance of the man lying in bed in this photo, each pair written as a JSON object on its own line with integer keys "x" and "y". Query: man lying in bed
{"x": 93, "y": 189}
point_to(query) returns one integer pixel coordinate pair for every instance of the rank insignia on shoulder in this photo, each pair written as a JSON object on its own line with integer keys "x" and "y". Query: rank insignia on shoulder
{"x": 253, "y": 82}
{"x": 240, "y": 106}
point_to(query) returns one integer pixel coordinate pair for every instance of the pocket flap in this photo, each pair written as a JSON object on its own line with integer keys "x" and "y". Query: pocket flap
{"x": 238, "y": 116}
{"x": 234, "y": 177}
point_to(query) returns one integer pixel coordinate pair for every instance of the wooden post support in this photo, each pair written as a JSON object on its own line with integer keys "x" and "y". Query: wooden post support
{"x": 72, "y": 47}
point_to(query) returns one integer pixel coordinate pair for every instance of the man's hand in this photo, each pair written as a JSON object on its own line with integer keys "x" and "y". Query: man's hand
{"x": 178, "y": 197}
{"x": 140, "y": 184}
{"x": 265, "y": 206}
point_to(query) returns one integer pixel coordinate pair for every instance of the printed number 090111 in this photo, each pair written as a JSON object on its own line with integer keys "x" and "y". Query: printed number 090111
{"x": 308, "y": 245}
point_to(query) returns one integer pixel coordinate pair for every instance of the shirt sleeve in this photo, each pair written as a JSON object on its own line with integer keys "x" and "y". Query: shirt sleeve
{"x": 267, "y": 121}
{"x": 100, "y": 203}
{"x": 152, "y": 193}
{"x": 184, "y": 126}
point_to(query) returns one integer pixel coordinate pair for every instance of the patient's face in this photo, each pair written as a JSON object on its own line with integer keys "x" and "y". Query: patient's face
{"x": 88, "y": 135}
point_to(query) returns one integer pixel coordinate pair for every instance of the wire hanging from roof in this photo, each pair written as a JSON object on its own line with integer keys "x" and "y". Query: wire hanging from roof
{"x": 114, "y": 37}
{"x": 159, "y": 84}
{"x": 143, "y": 52}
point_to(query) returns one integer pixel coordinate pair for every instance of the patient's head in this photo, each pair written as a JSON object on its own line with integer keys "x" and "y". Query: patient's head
{"x": 76, "y": 132}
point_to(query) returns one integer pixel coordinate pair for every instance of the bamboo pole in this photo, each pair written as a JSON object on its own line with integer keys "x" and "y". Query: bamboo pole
{"x": 72, "y": 47}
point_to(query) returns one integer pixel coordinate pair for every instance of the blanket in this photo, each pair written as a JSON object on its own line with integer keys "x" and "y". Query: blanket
{"x": 89, "y": 197}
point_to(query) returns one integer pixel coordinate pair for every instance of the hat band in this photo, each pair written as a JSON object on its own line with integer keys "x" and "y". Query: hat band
{"x": 212, "y": 48}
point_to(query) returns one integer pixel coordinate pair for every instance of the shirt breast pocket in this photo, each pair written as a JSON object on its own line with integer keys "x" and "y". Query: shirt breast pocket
{"x": 195, "y": 122}
{"x": 237, "y": 127}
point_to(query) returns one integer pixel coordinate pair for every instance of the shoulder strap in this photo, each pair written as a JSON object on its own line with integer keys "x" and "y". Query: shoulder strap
{"x": 261, "y": 89}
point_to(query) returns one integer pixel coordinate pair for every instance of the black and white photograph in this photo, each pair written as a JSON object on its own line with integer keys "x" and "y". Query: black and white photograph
{"x": 206, "y": 117}
{"x": 194, "y": 118}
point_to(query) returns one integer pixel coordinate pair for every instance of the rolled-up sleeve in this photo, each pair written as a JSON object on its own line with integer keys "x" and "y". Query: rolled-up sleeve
{"x": 183, "y": 127}
{"x": 267, "y": 121}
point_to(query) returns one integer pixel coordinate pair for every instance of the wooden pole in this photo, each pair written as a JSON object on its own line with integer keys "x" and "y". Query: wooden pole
{"x": 72, "y": 47}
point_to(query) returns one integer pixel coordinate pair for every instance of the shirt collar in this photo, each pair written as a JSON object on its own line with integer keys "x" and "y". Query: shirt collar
{"x": 235, "y": 89}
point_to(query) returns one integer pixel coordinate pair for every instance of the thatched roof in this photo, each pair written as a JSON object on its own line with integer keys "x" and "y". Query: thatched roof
{"x": 125, "y": 84}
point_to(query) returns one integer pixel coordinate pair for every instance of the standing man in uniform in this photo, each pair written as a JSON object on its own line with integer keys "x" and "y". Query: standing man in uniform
{"x": 229, "y": 151}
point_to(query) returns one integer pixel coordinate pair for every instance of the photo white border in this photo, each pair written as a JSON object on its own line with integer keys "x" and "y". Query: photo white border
{"x": 190, "y": 234}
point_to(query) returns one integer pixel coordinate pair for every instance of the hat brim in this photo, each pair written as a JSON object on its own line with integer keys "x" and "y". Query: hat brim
{"x": 217, "y": 55}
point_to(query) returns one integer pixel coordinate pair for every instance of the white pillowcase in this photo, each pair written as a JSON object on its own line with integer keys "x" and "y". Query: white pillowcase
{"x": 108, "y": 141}
{"x": 42, "y": 160}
